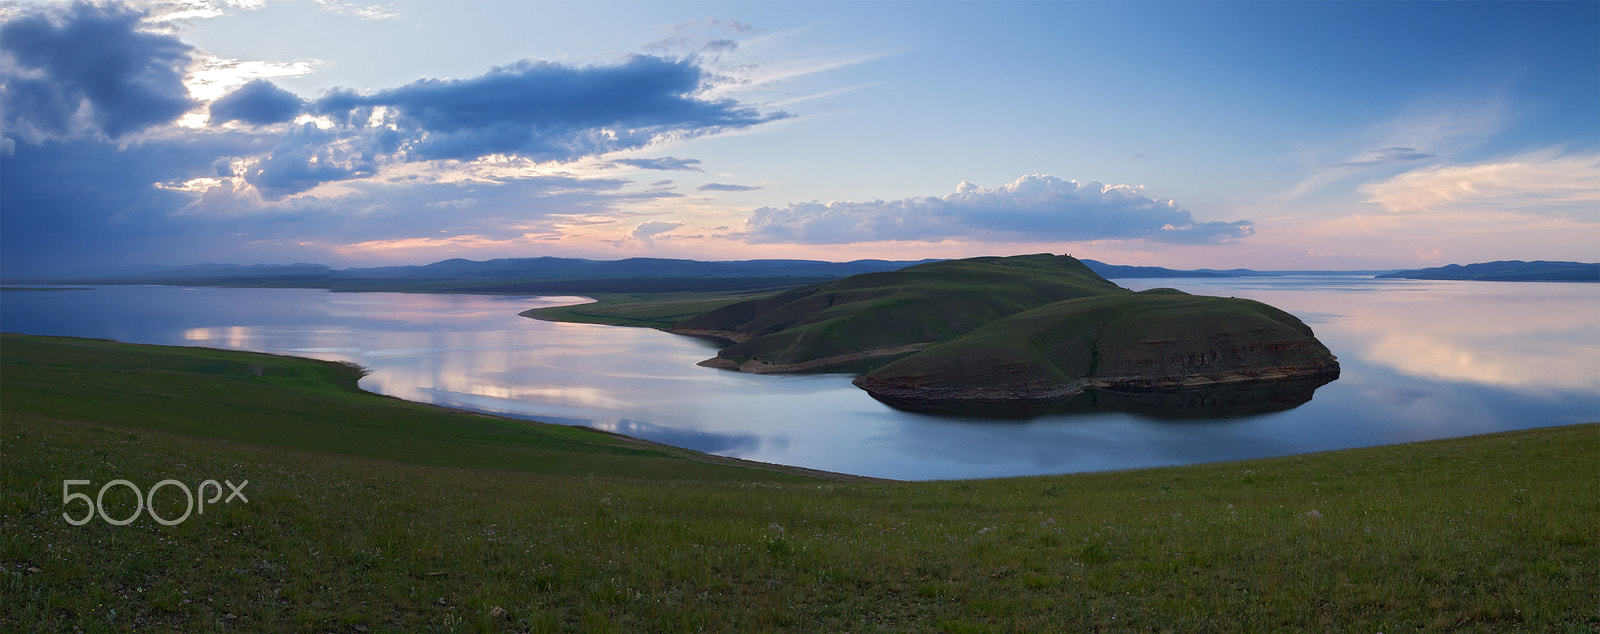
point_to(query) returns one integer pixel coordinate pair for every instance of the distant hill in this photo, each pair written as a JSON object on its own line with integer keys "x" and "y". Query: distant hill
{"x": 1120, "y": 271}
{"x": 248, "y": 275}
{"x": 509, "y": 275}
{"x": 1507, "y": 271}
{"x": 578, "y": 268}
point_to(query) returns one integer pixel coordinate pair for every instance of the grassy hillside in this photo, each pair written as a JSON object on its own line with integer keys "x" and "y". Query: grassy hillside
{"x": 914, "y": 306}
{"x": 1492, "y": 533}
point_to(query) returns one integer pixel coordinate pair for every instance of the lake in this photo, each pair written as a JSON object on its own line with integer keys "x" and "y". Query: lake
{"x": 1420, "y": 360}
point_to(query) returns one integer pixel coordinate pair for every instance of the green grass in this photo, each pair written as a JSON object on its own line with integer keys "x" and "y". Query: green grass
{"x": 922, "y": 304}
{"x": 1490, "y": 533}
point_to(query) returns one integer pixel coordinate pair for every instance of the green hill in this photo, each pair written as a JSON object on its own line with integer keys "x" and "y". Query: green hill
{"x": 1004, "y": 330}
{"x": 836, "y": 326}
{"x": 1507, "y": 271}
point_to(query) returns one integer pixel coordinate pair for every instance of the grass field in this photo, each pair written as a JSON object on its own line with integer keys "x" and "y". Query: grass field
{"x": 367, "y": 514}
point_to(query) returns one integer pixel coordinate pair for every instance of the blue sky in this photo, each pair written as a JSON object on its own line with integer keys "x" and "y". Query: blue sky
{"x": 1262, "y": 135}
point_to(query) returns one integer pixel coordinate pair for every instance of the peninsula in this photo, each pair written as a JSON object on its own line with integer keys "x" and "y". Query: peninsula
{"x": 1003, "y": 330}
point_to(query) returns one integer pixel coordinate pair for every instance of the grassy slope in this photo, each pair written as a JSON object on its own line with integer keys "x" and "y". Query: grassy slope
{"x": 925, "y": 303}
{"x": 1491, "y": 533}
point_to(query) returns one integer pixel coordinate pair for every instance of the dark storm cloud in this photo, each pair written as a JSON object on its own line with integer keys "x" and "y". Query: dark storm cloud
{"x": 88, "y": 202}
{"x": 88, "y": 68}
{"x": 664, "y": 163}
{"x": 1032, "y": 208}
{"x": 257, "y": 103}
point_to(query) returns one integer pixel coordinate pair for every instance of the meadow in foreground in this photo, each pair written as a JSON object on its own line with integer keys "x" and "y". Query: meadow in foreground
{"x": 369, "y": 514}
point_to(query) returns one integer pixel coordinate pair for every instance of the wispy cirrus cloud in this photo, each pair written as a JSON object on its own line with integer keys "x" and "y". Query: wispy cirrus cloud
{"x": 665, "y": 163}
{"x": 1032, "y": 208}
{"x": 725, "y": 187}
{"x": 1426, "y": 131}
{"x": 1541, "y": 183}
{"x": 1386, "y": 156}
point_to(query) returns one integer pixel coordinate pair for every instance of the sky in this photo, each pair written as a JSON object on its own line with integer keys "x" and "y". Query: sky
{"x": 1295, "y": 135}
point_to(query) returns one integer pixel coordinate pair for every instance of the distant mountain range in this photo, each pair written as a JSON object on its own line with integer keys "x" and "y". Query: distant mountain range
{"x": 642, "y": 275}
{"x": 1507, "y": 271}
{"x": 509, "y": 275}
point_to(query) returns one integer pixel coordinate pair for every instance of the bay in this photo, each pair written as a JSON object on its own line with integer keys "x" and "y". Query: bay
{"x": 1420, "y": 359}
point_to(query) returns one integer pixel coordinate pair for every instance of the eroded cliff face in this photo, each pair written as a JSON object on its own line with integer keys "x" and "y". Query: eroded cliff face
{"x": 1221, "y": 359}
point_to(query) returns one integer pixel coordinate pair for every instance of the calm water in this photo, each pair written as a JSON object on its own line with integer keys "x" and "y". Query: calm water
{"x": 1420, "y": 360}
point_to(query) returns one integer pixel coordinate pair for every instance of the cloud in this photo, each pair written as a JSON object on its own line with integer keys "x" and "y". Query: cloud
{"x": 1031, "y": 208}
{"x": 700, "y": 37}
{"x": 1385, "y": 156}
{"x": 664, "y": 163}
{"x": 83, "y": 202}
{"x": 1539, "y": 183}
{"x": 649, "y": 231}
{"x": 84, "y": 69}
{"x": 213, "y": 77}
{"x": 364, "y": 11}
{"x": 107, "y": 159}
{"x": 193, "y": 9}
{"x": 534, "y": 110}
{"x": 547, "y": 111}
{"x": 724, "y": 187}
{"x": 257, "y": 103}
{"x": 310, "y": 156}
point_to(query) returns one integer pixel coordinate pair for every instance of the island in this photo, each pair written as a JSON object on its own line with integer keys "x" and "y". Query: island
{"x": 1014, "y": 335}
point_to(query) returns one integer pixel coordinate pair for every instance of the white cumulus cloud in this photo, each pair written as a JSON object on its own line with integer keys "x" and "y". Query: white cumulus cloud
{"x": 1035, "y": 207}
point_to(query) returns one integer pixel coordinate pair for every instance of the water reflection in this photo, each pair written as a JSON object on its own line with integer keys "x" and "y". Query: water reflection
{"x": 1418, "y": 360}
{"x": 1538, "y": 336}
